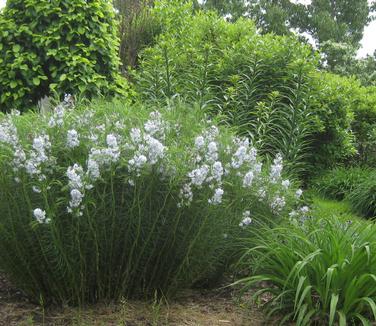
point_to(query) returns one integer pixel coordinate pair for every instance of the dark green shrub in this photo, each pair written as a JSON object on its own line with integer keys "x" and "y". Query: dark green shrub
{"x": 318, "y": 272}
{"x": 363, "y": 196}
{"x": 50, "y": 47}
{"x": 340, "y": 182}
{"x": 128, "y": 201}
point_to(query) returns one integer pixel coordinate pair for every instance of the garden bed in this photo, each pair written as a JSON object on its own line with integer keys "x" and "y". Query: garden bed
{"x": 192, "y": 308}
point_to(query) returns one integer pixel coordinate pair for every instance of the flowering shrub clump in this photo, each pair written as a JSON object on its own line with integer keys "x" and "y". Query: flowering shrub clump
{"x": 125, "y": 201}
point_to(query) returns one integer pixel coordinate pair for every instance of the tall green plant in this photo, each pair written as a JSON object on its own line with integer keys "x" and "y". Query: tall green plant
{"x": 320, "y": 271}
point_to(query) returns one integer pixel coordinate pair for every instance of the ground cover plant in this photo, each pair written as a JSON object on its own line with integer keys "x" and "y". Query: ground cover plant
{"x": 122, "y": 201}
{"x": 317, "y": 271}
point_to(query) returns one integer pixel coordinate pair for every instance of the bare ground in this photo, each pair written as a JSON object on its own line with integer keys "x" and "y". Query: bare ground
{"x": 193, "y": 308}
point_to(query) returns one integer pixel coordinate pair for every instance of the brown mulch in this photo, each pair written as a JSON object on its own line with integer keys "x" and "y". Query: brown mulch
{"x": 193, "y": 308}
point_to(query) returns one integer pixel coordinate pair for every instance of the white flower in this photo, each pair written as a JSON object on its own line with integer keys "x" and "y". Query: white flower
{"x": 199, "y": 142}
{"x": 135, "y": 135}
{"x": 217, "y": 171}
{"x": 138, "y": 161}
{"x": 248, "y": 179}
{"x": 212, "y": 154}
{"x": 93, "y": 169}
{"x": 246, "y": 219}
{"x": 36, "y": 190}
{"x": 298, "y": 193}
{"x": 74, "y": 174}
{"x": 155, "y": 149}
{"x": 276, "y": 169}
{"x": 239, "y": 157}
{"x": 217, "y": 198}
{"x": 40, "y": 216}
{"x": 199, "y": 175}
{"x": 111, "y": 141}
{"x": 76, "y": 198}
{"x": 286, "y": 184}
{"x": 186, "y": 195}
{"x": 304, "y": 209}
{"x": 72, "y": 138}
{"x": 278, "y": 204}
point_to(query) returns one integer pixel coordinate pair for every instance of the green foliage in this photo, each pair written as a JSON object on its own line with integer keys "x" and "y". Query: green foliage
{"x": 335, "y": 100}
{"x": 255, "y": 82}
{"x": 340, "y": 182}
{"x": 138, "y": 27}
{"x": 363, "y": 197}
{"x": 129, "y": 202}
{"x": 364, "y": 124}
{"x": 321, "y": 271}
{"x": 233, "y": 9}
{"x": 56, "y": 47}
{"x": 336, "y": 26}
{"x": 324, "y": 20}
{"x": 264, "y": 84}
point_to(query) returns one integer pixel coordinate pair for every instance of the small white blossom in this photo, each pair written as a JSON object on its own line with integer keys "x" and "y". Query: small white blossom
{"x": 111, "y": 141}
{"x": 248, "y": 179}
{"x": 199, "y": 175}
{"x": 217, "y": 171}
{"x": 36, "y": 190}
{"x": 76, "y": 198}
{"x": 217, "y": 198}
{"x": 278, "y": 204}
{"x": 276, "y": 169}
{"x": 199, "y": 142}
{"x": 298, "y": 193}
{"x": 247, "y": 220}
{"x": 286, "y": 184}
{"x": 72, "y": 138}
{"x": 40, "y": 216}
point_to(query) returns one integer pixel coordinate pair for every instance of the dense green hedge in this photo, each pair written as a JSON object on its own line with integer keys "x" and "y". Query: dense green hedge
{"x": 56, "y": 47}
{"x": 266, "y": 85}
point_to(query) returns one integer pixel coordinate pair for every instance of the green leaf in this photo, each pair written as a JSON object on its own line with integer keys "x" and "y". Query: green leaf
{"x": 63, "y": 77}
{"x": 36, "y": 81}
{"x": 333, "y": 307}
{"x": 13, "y": 84}
{"x": 16, "y": 48}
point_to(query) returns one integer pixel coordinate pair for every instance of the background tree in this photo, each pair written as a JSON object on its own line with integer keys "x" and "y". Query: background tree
{"x": 336, "y": 26}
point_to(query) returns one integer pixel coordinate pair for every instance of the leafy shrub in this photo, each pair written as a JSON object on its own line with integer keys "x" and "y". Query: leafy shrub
{"x": 363, "y": 197}
{"x": 340, "y": 182}
{"x": 57, "y": 47}
{"x": 123, "y": 202}
{"x": 320, "y": 272}
{"x": 364, "y": 125}
{"x": 264, "y": 84}
{"x": 334, "y": 99}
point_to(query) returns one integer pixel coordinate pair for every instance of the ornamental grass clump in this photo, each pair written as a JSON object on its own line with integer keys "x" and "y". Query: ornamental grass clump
{"x": 319, "y": 271}
{"x": 126, "y": 201}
